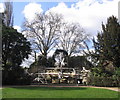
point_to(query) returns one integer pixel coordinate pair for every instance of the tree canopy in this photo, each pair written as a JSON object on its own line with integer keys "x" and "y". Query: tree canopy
{"x": 42, "y": 31}
{"x": 15, "y": 47}
{"x": 72, "y": 38}
{"x": 49, "y": 31}
{"x": 107, "y": 44}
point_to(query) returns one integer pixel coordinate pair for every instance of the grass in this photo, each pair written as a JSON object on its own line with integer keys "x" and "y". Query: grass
{"x": 0, "y": 93}
{"x": 57, "y": 92}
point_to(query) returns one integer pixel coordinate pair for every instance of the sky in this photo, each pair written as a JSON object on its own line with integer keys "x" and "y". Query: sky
{"x": 88, "y": 13}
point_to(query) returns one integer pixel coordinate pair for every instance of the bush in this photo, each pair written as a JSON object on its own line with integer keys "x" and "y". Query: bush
{"x": 100, "y": 77}
{"x": 15, "y": 76}
{"x": 103, "y": 81}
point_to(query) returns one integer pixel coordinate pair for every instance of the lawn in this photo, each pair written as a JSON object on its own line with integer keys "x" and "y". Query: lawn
{"x": 57, "y": 92}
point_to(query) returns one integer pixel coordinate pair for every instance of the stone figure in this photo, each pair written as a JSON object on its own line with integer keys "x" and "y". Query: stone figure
{"x": 85, "y": 76}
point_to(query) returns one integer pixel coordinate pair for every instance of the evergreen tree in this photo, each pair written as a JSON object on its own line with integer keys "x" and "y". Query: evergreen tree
{"x": 107, "y": 46}
{"x": 79, "y": 62}
{"x": 15, "y": 48}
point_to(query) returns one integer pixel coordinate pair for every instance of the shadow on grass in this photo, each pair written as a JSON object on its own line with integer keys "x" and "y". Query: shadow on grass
{"x": 50, "y": 88}
{"x": 61, "y": 99}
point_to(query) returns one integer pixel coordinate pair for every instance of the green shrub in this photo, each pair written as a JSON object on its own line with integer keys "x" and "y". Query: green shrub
{"x": 103, "y": 81}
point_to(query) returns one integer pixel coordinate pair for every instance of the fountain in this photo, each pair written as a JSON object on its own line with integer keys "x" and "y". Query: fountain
{"x": 61, "y": 73}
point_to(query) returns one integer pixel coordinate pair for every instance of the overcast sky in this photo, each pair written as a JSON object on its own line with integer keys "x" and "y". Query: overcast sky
{"x": 89, "y": 13}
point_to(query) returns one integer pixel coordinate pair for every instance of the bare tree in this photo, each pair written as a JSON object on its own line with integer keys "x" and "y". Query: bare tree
{"x": 43, "y": 30}
{"x": 72, "y": 38}
{"x": 8, "y": 14}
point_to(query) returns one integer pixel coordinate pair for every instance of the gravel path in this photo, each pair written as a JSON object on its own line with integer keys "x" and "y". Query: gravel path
{"x": 110, "y": 88}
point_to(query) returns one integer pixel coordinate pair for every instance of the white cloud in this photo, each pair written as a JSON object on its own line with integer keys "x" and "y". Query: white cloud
{"x": 31, "y": 9}
{"x": 1, "y": 8}
{"x": 18, "y": 28}
{"x": 89, "y": 13}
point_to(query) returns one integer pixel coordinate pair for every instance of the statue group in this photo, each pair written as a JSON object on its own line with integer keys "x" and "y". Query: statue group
{"x": 61, "y": 73}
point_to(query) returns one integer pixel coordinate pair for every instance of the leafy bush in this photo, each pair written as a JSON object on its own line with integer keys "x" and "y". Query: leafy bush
{"x": 15, "y": 76}
{"x": 100, "y": 77}
{"x": 103, "y": 81}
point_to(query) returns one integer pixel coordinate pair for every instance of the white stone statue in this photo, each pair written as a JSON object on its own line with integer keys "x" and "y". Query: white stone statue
{"x": 85, "y": 76}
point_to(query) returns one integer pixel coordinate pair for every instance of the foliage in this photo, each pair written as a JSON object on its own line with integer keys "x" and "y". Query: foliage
{"x": 33, "y": 68}
{"x": 117, "y": 75}
{"x": 117, "y": 72}
{"x": 40, "y": 63}
{"x": 16, "y": 76}
{"x": 96, "y": 71}
{"x": 101, "y": 78}
{"x": 103, "y": 81}
{"x": 106, "y": 55}
{"x": 14, "y": 49}
{"x": 107, "y": 46}
{"x": 50, "y": 62}
{"x": 79, "y": 62}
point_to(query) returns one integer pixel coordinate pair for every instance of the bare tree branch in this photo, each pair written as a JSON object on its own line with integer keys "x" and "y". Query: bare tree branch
{"x": 44, "y": 29}
{"x": 71, "y": 38}
{"x": 8, "y": 14}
